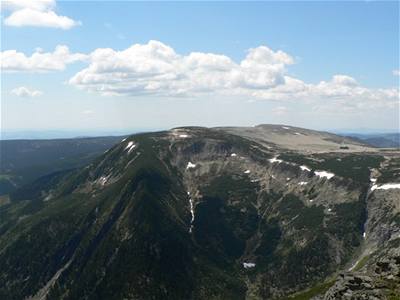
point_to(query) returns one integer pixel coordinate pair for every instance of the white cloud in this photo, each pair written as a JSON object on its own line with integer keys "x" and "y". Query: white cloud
{"x": 39, "y": 61}
{"x": 155, "y": 68}
{"x": 396, "y": 72}
{"x": 25, "y": 92}
{"x": 38, "y": 13}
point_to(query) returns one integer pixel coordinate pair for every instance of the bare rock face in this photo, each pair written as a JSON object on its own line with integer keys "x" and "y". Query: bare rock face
{"x": 379, "y": 280}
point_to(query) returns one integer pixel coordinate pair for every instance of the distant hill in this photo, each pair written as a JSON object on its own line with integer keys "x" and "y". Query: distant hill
{"x": 384, "y": 140}
{"x": 23, "y": 161}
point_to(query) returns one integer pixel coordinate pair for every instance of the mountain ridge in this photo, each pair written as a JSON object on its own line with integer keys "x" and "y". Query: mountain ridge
{"x": 226, "y": 215}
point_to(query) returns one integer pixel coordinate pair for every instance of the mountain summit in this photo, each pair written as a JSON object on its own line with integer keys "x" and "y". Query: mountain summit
{"x": 264, "y": 212}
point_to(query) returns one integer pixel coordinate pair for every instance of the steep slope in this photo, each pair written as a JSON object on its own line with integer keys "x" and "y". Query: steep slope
{"x": 196, "y": 213}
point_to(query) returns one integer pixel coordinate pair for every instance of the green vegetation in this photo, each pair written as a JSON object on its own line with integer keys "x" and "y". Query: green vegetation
{"x": 363, "y": 261}
{"x": 129, "y": 238}
{"x": 301, "y": 216}
{"x": 354, "y": 166}
{"x": 312, "y": 292}
{"x": 391, "y": 172}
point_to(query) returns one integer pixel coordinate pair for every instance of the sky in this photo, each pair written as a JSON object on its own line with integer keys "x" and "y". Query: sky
{"x": 108, "y": 66}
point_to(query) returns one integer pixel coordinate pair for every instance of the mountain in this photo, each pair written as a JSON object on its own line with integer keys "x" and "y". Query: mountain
{"x": 23, "y": 161}
{"x": 383, "y": 140}
{"x": 267, "y": 212}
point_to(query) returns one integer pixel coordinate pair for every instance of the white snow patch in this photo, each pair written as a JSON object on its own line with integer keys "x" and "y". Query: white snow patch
{"x": 191, "y": 213}
{"x": 329, "y": 209}
{"x": 284, "y": 127}
{"x": 255, "y": 180}
{"x": 303, "y": 182}
{"x": 248, "y": 265}
{"x": 131, "y": 145}
{"x": 287, "y": 178}
{"x": 190, "y": 165}
{"x": 131, "y": 148}
{"x": 247, "y": 172}
{"x": 305, "y": 168}
{"x": 275, "y": 159}
{"x": 183, "y": 136}
{"x": 297, "y": 133}
{"x": 123, "y": 140}
{"x": 324, "y": 174}
{"x": 103, "y": 180}
{"x": 233, "y": 154}
{"x": 364, "y": 235}
{"x": 373, "y": 180}
{"x": 387, "y": 186}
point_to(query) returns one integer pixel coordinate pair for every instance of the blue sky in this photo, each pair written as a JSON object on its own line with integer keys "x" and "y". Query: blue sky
{"x": 358, "y": 40}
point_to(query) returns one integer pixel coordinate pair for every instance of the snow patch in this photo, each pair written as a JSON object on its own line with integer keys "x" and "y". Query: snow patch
{"x": 248, "y": 265}
{"x": 103, "y": 180}
{"x": 191, "y": 213}
{"x": 305, "y": 168}
{"x": 247, "y": 172}
{"x": 275, "y": 159}
{"x": 324, "y": 174}
{"x": 183, "y": 136}
{"x": 284, "y": 127}
{"x": 297, "y": 133}
{"x": 364, "y": 235}
{"x": 303, "y": 182}
{"x": 233, "y": 155}
{"x": 131, "y": 145}
{"x": 387, "y": 186}
{"x": 190, "y": 165}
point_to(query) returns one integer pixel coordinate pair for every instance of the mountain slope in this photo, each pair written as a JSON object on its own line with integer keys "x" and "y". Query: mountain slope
{"x": 23, "y": 161}
{"x": 197, "y": 213}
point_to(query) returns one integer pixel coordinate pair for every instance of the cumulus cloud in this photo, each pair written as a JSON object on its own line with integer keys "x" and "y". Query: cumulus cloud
{"x": 155, "y": 68}
{"x": 396, "y": 72}
{"x": 38, "y": 13}
{"x": 39, "y": 61}
{"x": 25, "y": 92}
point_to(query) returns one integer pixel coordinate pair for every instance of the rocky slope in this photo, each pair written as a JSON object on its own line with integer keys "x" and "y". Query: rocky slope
{"x": 197, "y": 213}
